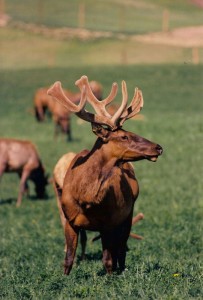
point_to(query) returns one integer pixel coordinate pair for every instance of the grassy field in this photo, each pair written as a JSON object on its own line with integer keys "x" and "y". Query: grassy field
{"x": 24, "y": 50}
{"x": 167, "y": 263}
{"x": 128, "y": 16}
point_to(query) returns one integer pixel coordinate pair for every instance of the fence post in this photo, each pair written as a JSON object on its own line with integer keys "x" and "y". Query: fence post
{"x": 165, "y": 20}
{"x": 81, "y": 15}
{"x": 122, "y": 18}
{"x": 195, "y": 55}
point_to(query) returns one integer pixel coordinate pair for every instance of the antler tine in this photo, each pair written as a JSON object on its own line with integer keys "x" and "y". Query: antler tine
{"x": 99, "y": 106}
{"x": 119, "y": 112}
{"x": 135, "y": 106}
{"x": 102, "y": 116}
{"x": 57, "y": 92}
{"x": 112, "y": 94}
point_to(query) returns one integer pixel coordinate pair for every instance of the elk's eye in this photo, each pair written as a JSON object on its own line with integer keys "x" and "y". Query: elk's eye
{"x": 125, "y": 138}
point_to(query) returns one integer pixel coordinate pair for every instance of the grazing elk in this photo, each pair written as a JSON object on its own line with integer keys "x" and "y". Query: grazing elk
{"x": 62, "y": 120}
{"x": 100, "y": 186}
{"x": 61, "y": 117}
{"x": 42, "y": 104}
{"x": 22, "y": 157}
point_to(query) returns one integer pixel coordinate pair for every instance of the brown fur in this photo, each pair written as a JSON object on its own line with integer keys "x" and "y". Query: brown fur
{"x": 59, "y": 173}
{"x": 22, "y": 158}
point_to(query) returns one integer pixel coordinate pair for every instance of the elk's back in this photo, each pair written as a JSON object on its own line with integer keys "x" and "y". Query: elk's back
{"x": 16, "y": 154}
{"x": 61, "y": 168}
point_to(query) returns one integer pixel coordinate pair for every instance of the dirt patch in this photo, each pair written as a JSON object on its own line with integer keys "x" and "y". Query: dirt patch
{"x": 184, "y": 37}
{"x": 64, "y": 32}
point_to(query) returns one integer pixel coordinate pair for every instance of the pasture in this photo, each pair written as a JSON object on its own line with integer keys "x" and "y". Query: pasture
{"x": 167, "y": 263}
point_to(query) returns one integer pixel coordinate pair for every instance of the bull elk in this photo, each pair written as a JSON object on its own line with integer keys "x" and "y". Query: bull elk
{"x": 22, "y": 158}
{"x": 59, "y": 173}
{"x": 100, "y": 187}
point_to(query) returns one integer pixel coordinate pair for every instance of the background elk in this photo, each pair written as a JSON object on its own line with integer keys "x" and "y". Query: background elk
{"x": 100, "y": 186}
{"x": 62, "y": 120}
{"x": 44, "y": 103}
{"x": 22, "y": 158}
{"x": 59, "y": 173}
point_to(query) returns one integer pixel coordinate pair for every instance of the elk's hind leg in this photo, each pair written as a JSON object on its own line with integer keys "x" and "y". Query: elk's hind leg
{"x": 109, "y": 258}
{"x": 71, "y": 235}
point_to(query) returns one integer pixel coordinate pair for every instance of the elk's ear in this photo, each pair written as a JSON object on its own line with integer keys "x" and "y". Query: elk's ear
{"x": 100, "y": 131}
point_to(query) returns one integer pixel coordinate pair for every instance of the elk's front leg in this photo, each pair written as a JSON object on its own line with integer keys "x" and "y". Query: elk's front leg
{"x": 123, "y": 235}
{"x": 71, "y": 235}
{"x": 2, "y": 168}
{"x": 69, "y": 135}
{"x": 115, "y": 245}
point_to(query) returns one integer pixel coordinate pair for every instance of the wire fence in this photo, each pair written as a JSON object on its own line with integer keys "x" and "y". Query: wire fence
{"x": 129, "y": 17}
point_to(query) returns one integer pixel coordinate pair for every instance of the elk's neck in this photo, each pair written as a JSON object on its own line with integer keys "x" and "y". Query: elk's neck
{"x": 100, "y": 159}
{"x": 93, "y": 170}
{"x": 95, "y": 173}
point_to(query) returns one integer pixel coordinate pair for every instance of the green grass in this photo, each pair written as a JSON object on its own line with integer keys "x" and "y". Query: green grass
{"x": 115, "y": 15}
{"x": 167, "y": 263}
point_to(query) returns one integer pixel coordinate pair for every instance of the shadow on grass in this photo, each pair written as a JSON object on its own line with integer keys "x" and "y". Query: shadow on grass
{"x": 90, "y": 256}
{"x": 10, "y": 201}
{"x": 35, "y": 198}
{"x": 7, "y": 201}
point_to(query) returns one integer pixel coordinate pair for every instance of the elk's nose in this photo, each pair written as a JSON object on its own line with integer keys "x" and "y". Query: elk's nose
{"x": 159, "y": 149}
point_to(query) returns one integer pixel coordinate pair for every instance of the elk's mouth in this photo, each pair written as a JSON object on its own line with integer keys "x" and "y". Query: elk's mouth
{"x": 152, "y": 158}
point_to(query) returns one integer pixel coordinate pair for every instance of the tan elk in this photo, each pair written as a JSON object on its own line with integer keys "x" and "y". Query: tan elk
{"x": 100, "y": 187}
{"x": 44, "y": 103}
{"x": 22, "y": 158}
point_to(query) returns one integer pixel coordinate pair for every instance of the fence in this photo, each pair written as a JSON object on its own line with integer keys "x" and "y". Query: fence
{"x": 127, "y": 17}
{"x": 93, "y": 15}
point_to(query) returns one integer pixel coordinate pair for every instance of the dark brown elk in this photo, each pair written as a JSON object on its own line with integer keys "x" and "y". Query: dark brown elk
{"x": 59, "y": 173}
{"x": 22, "y": 158}
{"x": 100, "y": 187}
